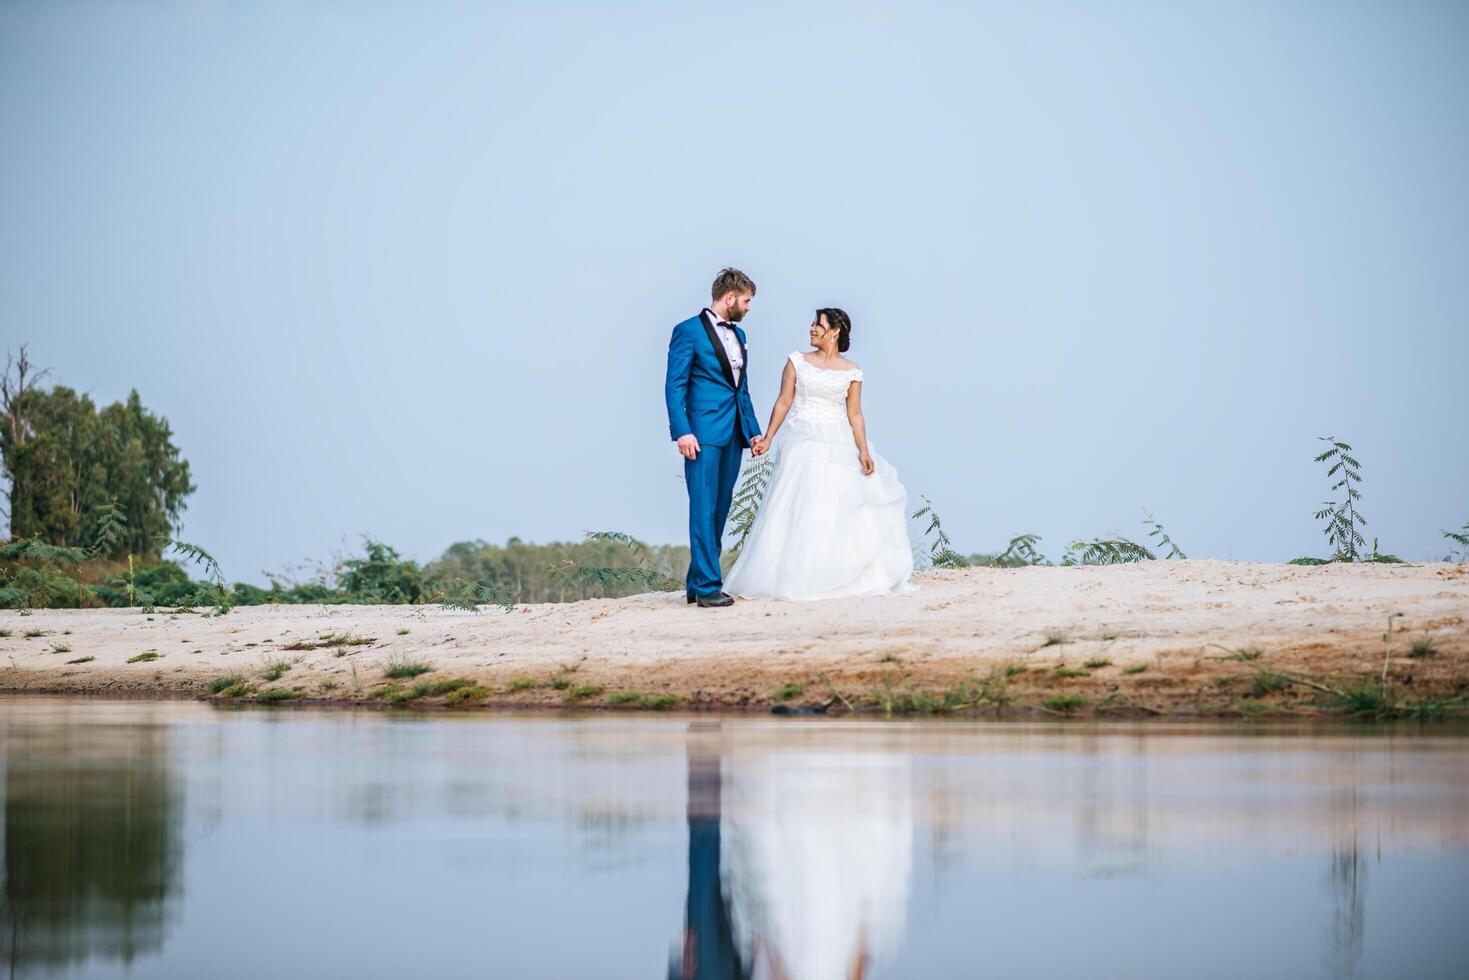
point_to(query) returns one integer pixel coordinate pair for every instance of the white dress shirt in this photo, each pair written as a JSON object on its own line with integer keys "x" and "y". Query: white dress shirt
{"x": 731, "y": 343}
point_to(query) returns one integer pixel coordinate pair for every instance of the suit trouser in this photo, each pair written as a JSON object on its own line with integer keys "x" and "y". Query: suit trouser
{"x": 711, "y": 480}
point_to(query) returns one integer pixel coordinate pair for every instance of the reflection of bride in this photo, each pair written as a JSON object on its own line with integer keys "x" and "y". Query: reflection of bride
{"x": 818, "y": 852}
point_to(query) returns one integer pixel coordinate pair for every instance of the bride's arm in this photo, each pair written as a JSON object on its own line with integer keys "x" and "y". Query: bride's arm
{"x": 782, "y": 405}
{"x": 859, "y": 425}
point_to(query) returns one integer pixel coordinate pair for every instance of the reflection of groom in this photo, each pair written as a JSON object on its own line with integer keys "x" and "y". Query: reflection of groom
{"x": 711, "y": 418}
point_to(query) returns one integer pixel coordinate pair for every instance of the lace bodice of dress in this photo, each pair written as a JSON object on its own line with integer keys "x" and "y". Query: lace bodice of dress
{"x": 821, "y": 395}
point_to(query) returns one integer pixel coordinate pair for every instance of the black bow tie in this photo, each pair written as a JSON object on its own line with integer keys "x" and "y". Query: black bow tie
{"x": 725, "y": 323}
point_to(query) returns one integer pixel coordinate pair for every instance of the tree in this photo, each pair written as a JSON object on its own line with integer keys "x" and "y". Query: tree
{"x": 70, "y": 465}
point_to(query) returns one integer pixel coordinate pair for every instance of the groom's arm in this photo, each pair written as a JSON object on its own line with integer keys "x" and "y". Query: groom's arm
{"x": 676, "y": 383}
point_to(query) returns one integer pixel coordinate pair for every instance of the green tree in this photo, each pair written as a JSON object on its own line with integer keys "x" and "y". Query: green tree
{"x": 70, "y": 467}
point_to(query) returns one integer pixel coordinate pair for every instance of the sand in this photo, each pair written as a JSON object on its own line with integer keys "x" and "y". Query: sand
{"x": 1003, "y": 630}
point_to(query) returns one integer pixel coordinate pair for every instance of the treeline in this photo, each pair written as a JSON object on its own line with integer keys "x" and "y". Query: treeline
{"x": 35, "y": 575}
{"x": 95, "y": 498}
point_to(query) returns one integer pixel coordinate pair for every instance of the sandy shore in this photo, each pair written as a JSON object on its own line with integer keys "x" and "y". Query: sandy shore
{"x": 980, "y": 636}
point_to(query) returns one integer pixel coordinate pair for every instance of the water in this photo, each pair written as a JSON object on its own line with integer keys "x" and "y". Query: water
{"x": 179, "y": 839}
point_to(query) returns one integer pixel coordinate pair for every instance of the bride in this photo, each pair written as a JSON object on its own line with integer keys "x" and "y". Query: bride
{"x": 833, "y": 520}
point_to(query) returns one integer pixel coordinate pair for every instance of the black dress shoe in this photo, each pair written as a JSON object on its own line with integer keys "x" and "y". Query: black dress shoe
{"x": 714, "y": 601}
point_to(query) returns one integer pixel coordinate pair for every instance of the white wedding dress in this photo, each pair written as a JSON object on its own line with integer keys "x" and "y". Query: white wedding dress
{"x": 824, "y": 530}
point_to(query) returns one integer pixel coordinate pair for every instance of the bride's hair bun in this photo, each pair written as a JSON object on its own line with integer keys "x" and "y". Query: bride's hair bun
{"x": 843, "y": 324}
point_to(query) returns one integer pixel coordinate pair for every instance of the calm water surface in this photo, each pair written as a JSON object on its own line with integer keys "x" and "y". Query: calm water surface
{"x": 180, "y": 839}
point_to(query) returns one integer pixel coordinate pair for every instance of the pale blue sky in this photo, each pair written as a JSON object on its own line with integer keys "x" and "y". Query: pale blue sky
{"x": 410, "y": 269}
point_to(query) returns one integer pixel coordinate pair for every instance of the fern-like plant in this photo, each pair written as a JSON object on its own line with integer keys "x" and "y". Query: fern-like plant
{"x": 462, "y": 595}
{"x": 34, "y": 574}
{"x": 1461, "y": 539}
{"x": 1106, "y": 551}
{"x": 645, "y": 576}
{"x": 1164, "y": 541}
{"x": 747, "y": 499}
{"x": 220, "y": 598}
{"x": 1343, "y": 521}
{"x": 109, "y": 528}
{"x": 1021, "y": 551}
{"x": 941, "y": 553}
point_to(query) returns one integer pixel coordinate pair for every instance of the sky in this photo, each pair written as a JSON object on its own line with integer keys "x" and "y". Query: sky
{"x": 409, "y": 270}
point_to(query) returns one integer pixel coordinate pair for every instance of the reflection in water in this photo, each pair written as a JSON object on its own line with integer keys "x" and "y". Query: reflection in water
{"x": 368, "y": 844}
{"x": 799, "y": 861}
{"x": 92, "y": 845}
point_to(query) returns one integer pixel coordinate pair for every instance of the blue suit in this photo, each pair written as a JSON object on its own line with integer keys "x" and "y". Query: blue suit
{"x": 703, "y": 399}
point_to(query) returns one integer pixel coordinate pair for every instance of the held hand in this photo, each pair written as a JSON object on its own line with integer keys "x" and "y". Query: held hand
{"x": 867, "y": 465}
{"x": 688, "y": 446}
{"x": 758, "y": 446}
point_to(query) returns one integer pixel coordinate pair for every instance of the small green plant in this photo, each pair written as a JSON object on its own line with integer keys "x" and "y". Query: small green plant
{"x": 1070, "y": 672}
{"x": 561, "y": 683}
{"x": 747, "y": 499}
{"x": 1164, "y": 541}
{"x": 403, "y": 631}
{"x": 1268, "y": 682}
{"x": 1010, "y": 670}
{"x": 1019, "y": 552}
{"x": 585, "y": 691}
{"x": 397, "y": 667}
{"x": 1343, "y": 521}
{"x": 34, "y": 634}
{"x": 220, "y": 684}
{"x": 278, "y": 694}
{"x": 1460, "y": 538}
{"x": 1423, "y": 647}
{"x": 81, "y": 660}
{"x": 276, "y": 669}
{"x": 145, "y": 657}
{"x": 4, "y": 634}
{"x": 470, "y": 692}
{"x": 1106, "y": 551}
{"x": 788, "y": 691}
{"x": 1097, "y": 663}
{"x": 1367, "y": 699}
{"x": 1134, "y": 668}
{"x": 236, "y": 690}
{"x": 941, "y": 553}
{"x": 1065, "y": 703}
{"x": 889, "y": 658}
{"x": 328, "y": 685}
{"x": 1055, "y": 639}
{"x": 60, "y": 648}
{"x": 522, "y": 683}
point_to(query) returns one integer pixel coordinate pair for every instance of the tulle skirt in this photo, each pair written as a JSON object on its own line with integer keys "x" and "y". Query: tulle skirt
{"x": 825, "y": 530}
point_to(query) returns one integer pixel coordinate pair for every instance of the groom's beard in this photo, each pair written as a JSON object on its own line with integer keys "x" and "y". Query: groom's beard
{"x": 734, "y": 316}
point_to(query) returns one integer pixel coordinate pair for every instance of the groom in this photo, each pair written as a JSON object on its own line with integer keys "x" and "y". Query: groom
{"x": 712, "y": 420}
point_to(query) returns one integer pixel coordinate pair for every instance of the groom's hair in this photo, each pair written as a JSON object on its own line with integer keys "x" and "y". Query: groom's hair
{"x": 731, "y": 281}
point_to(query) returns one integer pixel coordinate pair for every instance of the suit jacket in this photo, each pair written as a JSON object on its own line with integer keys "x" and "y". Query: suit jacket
{"x": 700, "y": 389}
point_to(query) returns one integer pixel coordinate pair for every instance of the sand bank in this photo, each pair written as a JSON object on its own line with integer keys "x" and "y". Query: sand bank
{"x": 979, "y": 636}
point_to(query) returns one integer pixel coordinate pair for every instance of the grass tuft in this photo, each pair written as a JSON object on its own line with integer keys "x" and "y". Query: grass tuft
{"x": 1097, "y": 663}
{"x": 275, "y": 669}
{"x": 278, "y": 694}
{"x": 469, "y": 692}
{"x": 1268, "y": 682}
{"x": 145, "y": 657}
{"x": 397, "y": 667}
{"x": 81, "y": 660}
{"x": 1422, "y": 648}
{"x": 522, "y": 683}
{"x": 585, "y": 691}
{"x": 1055, "y": 639}
{"x": 221, "y": 683}
{"x": 1065, "y": 702}
{"x": 1070, "y": 672}
{"x": 788, "y": 691}
{"x": 1134, "y": 668}
{"x": 561, "y": 683}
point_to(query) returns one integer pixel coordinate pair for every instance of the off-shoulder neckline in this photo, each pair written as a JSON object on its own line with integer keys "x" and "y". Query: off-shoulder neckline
{"x": 802, "y": 358}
